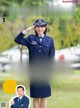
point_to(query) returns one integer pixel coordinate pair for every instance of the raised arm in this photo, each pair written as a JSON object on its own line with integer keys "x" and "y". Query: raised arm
{"x": 20, "y": 38}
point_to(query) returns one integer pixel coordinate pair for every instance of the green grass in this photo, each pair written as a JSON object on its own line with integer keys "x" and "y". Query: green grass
{"x": 59, "y": 99}
{"x": 64, "y": 99}
{"x": 77, "y": 72}
{"x": 65, "y": 92}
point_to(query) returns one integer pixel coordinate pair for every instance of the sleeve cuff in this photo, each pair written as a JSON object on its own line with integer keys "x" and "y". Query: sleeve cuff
{"x": 24, "y": 32}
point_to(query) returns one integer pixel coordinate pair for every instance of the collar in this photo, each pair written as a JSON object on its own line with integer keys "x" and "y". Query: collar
{"x": 20, "y": 97}
{"x": 41, "y": 35}
{"x": 38, "y": 39}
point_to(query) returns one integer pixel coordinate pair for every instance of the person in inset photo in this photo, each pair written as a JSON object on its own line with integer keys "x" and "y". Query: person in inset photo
{"x": 21, "y": 100}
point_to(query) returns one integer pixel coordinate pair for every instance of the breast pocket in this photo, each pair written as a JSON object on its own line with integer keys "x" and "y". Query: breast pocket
{"x": 46, "y": 48}
{"x": 33, "y": 47}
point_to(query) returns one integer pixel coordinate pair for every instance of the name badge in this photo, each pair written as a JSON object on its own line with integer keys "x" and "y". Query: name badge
{"x": 34, "y": 43}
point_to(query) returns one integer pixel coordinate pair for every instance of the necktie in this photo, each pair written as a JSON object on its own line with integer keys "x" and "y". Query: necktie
{"x": 18, "y": 99}
{"x": 40, "y": 39}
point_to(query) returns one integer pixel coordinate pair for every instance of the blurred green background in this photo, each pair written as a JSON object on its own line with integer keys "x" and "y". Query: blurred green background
{"x": 63, "y": 26}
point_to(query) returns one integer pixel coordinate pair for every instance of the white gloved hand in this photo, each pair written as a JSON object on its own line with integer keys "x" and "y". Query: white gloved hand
{"x": 28, "y": 29}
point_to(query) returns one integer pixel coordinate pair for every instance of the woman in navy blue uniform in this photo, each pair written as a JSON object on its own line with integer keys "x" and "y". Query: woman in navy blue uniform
{"x": 41, "y": 53}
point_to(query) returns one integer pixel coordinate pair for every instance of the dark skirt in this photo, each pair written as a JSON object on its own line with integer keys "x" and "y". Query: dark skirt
{"x": 39, "y": 80}
{"x": 40, "y": 91}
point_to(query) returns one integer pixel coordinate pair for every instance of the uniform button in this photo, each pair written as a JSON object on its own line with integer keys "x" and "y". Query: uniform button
{"x": 39, "y": 46}
{"x": 39, "y": 50}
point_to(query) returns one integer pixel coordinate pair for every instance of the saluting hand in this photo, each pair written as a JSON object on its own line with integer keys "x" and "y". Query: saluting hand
{"x": 30, "y": 28}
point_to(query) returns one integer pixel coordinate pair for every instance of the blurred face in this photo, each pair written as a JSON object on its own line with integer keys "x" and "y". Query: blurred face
{"x": 20, "y": 92}
{"x": 40, "y": 29}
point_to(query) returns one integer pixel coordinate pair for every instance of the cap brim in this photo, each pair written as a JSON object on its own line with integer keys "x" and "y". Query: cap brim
{"x": 40, "y": 24}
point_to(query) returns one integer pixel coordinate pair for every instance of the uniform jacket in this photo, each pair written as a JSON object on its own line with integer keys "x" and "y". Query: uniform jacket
{"x": 36, "y": 49}
{"x": 23, "y": 103}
